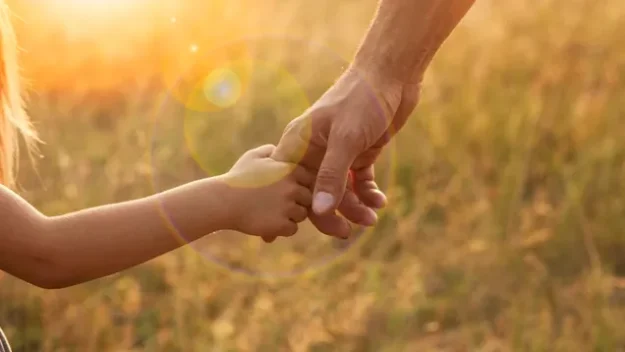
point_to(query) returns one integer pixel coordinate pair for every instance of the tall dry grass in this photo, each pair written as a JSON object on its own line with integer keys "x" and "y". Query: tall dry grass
{"x": 505, "y": 226}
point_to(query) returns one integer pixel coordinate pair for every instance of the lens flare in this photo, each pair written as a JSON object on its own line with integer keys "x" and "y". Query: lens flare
{"x": 209, "y": 79}
{"x": 222, "y": 87}
{"x": 233, "y": 100}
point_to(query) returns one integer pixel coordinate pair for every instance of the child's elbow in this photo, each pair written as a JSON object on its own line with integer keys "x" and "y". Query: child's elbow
{"x": 49, "y": 274}
{"x": 53, "y": 282}
{"x": 45, "y": 283}
{"x": 48, "y": 278}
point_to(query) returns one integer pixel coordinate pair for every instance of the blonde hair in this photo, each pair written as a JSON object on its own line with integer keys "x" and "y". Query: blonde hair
{"x": 14, "y": 120}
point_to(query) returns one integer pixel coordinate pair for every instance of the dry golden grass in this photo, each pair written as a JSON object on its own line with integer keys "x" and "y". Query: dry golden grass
{"x": 504, "y": 230}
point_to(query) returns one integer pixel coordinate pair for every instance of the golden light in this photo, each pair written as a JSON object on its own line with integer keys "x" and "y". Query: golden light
{"x": 89, "y": 38}
{"x": 95, "y": 8}
{"x": 101, "y": 17}
{"x": 222, "y": 87}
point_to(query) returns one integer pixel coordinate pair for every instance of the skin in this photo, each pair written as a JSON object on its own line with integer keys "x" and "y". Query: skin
{"x": 61, "y": 251}
{"x": 344, "y": 132}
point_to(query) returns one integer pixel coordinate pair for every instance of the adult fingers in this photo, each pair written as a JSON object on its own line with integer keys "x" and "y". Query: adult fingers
{"x": 332, "y": 176}
{"x": 356, "y": 211}
{"x": 367, "y": 190}
{"x": 331, "y": 224}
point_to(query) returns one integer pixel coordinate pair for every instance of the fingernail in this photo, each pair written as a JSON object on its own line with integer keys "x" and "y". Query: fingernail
{"x": 322, "y": 202}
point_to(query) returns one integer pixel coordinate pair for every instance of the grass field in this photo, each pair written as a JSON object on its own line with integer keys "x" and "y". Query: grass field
{"x": 505, "y": 230}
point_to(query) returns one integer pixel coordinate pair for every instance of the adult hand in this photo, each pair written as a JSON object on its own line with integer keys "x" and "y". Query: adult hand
{"x": 347, "y": 128}
{"x": 341, "y": 135}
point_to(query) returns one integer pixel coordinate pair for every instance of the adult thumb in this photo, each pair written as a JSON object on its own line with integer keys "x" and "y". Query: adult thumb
{"x": 332, "y": 176}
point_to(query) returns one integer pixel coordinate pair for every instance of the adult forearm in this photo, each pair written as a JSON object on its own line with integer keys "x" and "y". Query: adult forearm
{"x": 406, "y": 34}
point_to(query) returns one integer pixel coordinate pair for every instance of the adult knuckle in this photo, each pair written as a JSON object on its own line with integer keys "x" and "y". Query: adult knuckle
{"x": 352, "y": 139}
{"x": 328, "y": 174}
{"x": 345, "y": 132}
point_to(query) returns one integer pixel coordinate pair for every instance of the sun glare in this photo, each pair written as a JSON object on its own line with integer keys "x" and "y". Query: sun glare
{"x": 95, "y": 7}
{"x": 99, "y": 18}
{"x": 88, "y": 14}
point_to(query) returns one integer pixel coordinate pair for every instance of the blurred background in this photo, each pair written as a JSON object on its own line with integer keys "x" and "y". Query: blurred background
{"x": 507, "y": 194}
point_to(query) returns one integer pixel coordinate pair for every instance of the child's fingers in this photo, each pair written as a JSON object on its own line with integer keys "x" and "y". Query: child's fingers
{"x": 303, "y": 176}
{"x": 290, "y": 229}
{"x": 269, "y": 239}
{"x": 264, "y": 151}
{"x": 331, "y": 224}
{"x": 303, "y": 197}
{"x": 298, "y": 213}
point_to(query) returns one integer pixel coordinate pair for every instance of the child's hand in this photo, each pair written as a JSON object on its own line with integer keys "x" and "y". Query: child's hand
{"x": 268, "y": 198}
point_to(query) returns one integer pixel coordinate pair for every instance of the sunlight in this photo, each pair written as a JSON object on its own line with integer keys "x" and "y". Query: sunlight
{"x": 84, "y": 16}
{"x": 114, "y": 24}
{"x": 100, "y": 8}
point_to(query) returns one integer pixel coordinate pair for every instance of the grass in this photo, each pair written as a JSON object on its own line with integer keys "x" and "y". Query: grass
{"x": 504, "y": 230}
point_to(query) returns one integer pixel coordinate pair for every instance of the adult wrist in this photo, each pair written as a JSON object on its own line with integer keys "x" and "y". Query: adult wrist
{"x": 382, "y": 60}
{"x": 375, "y": 70}
{"x": 384, "y": 85}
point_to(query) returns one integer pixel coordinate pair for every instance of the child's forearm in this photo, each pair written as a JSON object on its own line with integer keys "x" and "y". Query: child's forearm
{"x": 65, "y": 250}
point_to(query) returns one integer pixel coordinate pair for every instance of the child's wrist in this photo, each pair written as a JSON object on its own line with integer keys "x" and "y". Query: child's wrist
{"x": 199, "y": 208}
{"x": 227, "y": 203}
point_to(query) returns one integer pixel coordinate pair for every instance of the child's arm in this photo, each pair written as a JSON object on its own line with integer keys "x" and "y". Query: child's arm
{"x": 64, "y": 250}
{"x": 61, "y": 251}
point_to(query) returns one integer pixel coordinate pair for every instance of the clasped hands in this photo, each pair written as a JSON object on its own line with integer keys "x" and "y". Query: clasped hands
{"x": 339, "y": 139}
